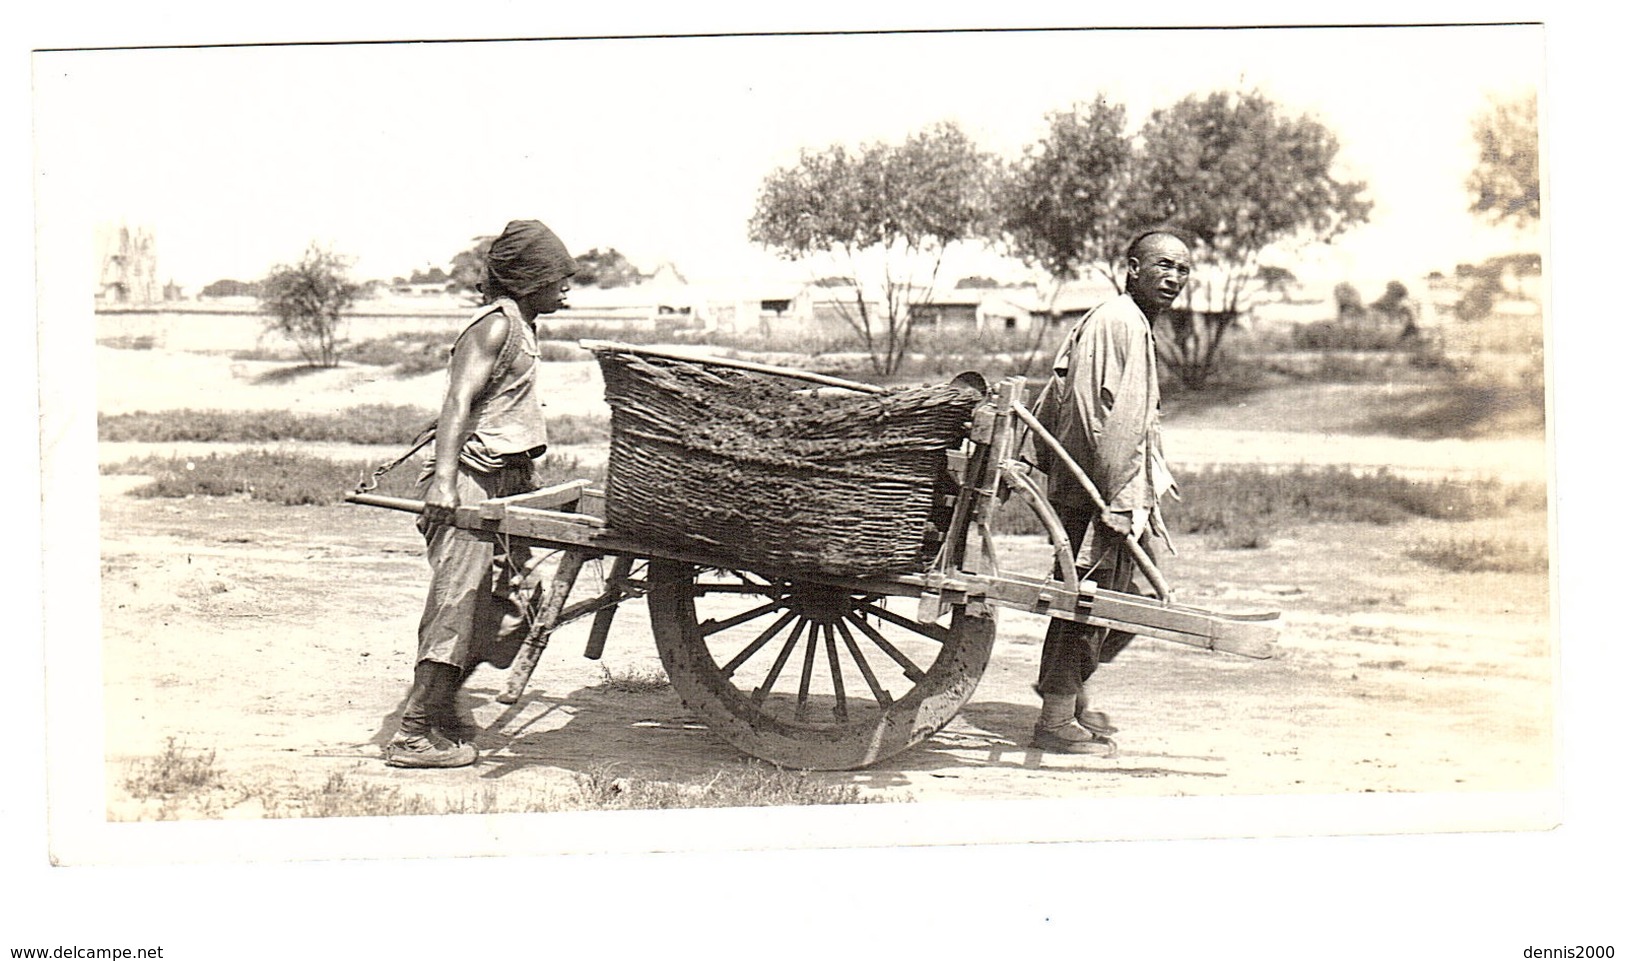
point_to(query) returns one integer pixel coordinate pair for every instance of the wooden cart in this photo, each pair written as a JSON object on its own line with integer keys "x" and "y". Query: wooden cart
{"x": 817, "y": 671}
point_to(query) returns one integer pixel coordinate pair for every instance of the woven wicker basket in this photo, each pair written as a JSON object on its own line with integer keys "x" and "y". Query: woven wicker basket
{"x": 768, "y": 476}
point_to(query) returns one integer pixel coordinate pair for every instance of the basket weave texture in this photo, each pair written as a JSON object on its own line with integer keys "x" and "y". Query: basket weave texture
{"x": 769, "y": 476}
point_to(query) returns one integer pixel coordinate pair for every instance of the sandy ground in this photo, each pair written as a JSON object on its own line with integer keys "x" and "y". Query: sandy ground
{"x": 282, "y": 639}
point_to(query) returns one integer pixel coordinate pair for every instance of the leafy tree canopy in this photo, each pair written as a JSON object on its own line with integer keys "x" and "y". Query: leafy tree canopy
{"x": 1237, "y": 175}
{"x": 230, "y": 288}
{"x": 468, "y": 267}
{"x": 1505, "y": 183}
{"x": 885, "y": 213}
{"x": 605, "y": 268}
{"x": 1063, "y": 204}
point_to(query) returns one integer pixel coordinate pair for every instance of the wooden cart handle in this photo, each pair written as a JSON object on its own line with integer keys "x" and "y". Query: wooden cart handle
{"x": 393, "y": 503}
{"x": 1135, "y": 550}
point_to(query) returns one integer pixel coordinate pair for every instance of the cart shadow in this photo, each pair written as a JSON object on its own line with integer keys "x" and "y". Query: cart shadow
{"x": 998, "y": 734}
{"x": 651, "y": 735}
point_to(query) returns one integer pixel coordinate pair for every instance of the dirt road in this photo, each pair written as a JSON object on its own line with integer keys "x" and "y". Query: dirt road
{"x": 282, "y": 638}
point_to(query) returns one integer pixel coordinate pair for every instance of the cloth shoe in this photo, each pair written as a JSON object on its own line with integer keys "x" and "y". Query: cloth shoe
{"x": 427, "y": 751}
{"x": 1097, "y": 722}
{"x": 456, "y": 727}
{"x": 1071, "y": 737}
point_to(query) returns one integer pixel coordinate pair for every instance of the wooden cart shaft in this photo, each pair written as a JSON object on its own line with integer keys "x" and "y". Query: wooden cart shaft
{"x": 563, "y": 518}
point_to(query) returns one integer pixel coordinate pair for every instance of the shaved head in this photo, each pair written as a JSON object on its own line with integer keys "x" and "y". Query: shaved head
{"x": 1154, "y": 238}
{"x": 1159, "y": 263}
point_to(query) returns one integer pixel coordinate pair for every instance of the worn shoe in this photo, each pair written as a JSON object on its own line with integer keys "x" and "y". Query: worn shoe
{"x": 1098, "y": 722}
{"x": 1072, "y": 738}
{"x": 426, "y": 750}
{"x": 457, "y": 728}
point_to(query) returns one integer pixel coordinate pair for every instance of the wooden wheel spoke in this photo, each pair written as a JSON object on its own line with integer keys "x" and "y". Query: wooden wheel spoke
{"x": 910, "y": 670}
{"x": 835, "y": 672}
{"x": 712, "y": 627}
{"x": 932, "y": 631}
{"x": 836, "y": 723}
{"x": 806, "y": 673}
{"x": 880, "y": 693}
{"x": 760, "y": 694}
{"x": 761, "y": 641}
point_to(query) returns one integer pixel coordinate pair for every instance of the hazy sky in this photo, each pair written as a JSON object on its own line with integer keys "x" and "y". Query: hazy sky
{"x": 398, "y": 154}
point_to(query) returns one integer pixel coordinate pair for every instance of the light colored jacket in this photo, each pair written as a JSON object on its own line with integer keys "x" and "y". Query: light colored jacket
{"x": 1103, "y": 405}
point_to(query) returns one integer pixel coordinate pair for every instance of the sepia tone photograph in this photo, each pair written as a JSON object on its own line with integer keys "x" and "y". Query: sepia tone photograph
{"x": 751, "y": 442}
{"x": 816, "y": 437}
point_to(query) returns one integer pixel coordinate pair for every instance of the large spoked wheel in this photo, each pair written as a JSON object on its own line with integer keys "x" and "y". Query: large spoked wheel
{"x": 807, "y": 675}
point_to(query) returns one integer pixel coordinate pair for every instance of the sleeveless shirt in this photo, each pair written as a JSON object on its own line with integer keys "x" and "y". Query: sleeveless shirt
{"x": 507, "y": 417}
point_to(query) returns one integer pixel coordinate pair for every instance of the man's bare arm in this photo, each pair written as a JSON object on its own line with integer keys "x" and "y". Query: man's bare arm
{"x": 471, "y": 366}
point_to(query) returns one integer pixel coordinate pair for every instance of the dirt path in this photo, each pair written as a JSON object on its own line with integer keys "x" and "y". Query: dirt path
{"x": 282, "y": 638}
{"x": 1391, "y": 677}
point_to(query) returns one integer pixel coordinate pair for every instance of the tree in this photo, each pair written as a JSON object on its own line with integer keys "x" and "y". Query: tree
{"x": 1237, "y": 176}
{"x": 605, "y": 268}
{"x": 307, "y": 301}
{"x": 885, "y": 214}
{"x": 227, "y": 287}
{"x": 1506, "y": 181}
{"x": 468, "y": 267}
{"x": 1062, "y": 205}
{"x": 434, "y": 275}
{"x": 1277, "y": 280}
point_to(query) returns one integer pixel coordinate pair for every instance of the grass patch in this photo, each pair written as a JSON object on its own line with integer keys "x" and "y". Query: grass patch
{"x": 634, "y": 680}
{"x": 601, "y": 788}
{"x": 419, "y": 352}
{"x": 341, "y": 796}
{"x": 752, "y": 784}
{"x": 127, "y": 342}
{"x": 565, "y": 430}
{"x": 364, "y": 424}
{"x": 380, "y": 424}
{"x": 1473, "y": 555}
{"x": 292, "y": 479}
{"x": 177, "y": 771}
{"x": 1240, "y": 507}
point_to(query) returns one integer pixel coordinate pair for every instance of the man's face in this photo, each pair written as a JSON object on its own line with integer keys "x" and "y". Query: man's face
{"x": 549, "y": 297}
{"x": 1156, "y": 277}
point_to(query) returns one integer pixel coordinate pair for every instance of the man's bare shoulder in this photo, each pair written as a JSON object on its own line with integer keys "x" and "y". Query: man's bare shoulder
{"x": 487, "y": 333}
